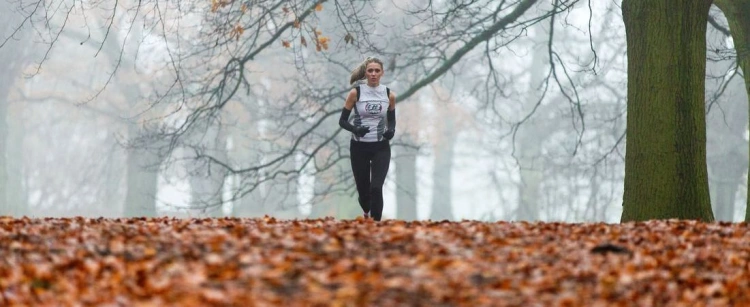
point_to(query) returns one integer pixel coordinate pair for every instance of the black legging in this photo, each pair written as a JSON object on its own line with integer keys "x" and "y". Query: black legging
{"x": 370, "y": 161}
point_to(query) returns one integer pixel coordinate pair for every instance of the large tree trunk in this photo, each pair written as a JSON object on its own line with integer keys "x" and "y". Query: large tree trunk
{"x": 405, "y": 161}
{"x": 737, "y": 12}
{"x": 665, "y": 158}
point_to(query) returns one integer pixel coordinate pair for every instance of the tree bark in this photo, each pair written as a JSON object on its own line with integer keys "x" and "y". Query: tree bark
{"x": 736, "y": 12}
{"x": 665, "y": 159}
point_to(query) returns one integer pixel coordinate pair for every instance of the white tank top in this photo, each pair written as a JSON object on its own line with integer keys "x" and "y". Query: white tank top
{"x": 370, "y": 112}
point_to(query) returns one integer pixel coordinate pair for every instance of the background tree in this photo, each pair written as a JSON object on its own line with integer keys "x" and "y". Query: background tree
{"x": 727, "y": 119}
{"x": 16, "y": 54}
{"x": 739, "y": 25}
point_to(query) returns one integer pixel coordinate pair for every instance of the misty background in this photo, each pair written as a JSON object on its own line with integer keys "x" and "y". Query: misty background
{"x": 230, "y": 108}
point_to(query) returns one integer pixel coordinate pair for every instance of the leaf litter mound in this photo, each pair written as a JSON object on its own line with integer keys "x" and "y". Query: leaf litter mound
{"x": 329, "y": 262}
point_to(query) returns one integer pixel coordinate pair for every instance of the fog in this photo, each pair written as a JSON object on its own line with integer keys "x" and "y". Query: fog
{"x": 166, "y": 108}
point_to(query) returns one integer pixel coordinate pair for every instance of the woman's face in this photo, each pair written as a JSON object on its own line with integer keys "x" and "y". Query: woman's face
{"x": 373, "y": 71}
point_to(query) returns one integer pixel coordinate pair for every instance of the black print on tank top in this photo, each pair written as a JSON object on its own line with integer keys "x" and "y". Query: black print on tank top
{"x": 373, "y": 108}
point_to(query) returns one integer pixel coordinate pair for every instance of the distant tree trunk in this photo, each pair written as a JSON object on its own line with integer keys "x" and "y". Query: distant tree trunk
{"x": 332, "y": 186}
{"x": 113, "y": 176}
{"x": 207, "y": 182}
{"x": 274, "y": 193}
{"x": 142, "y": 163}
{"x": 727, "y": 150}
{"x": 591, "y": 203}
{"x": 724, "y": 187}
{"x": 442, "y": 207}
{"x": 665, "y": 160}
{"x": 142, "y": 179}
{"x": 282, "y": 196}
{"x": 405, "y": 161}
{"x": 530, "y": 134}
{"x": 16, "y": 195}
{"x": 244, "y": 151}
{"x": 282, "y": 193}
{"x": 250, "y": 204}
{"x": 5, "y": 208}
{"x": 14, "y": 55}
{"x": 737, "y": 12}
{"x": 332, "y": 201}
{"x": 327, "y": 203}
{"x": 531, "y": 180}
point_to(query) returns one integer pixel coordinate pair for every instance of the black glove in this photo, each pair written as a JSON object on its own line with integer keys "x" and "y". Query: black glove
{"x": 360, "y": 131}
{"x": 388, "y": 134}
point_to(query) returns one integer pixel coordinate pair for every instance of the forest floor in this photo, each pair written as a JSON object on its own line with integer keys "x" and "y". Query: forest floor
{"x": 328, "y": 262}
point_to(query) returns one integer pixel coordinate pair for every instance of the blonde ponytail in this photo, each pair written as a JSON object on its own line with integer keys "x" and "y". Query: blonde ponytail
{"x": 357, "y": 74}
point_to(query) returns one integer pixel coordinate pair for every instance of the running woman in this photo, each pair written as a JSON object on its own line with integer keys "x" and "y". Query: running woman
{"x": 374, "y": 124}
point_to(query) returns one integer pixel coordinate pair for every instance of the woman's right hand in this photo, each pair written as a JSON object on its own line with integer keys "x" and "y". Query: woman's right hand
{"x": 360, "y": 131}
